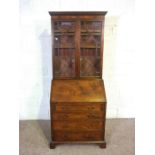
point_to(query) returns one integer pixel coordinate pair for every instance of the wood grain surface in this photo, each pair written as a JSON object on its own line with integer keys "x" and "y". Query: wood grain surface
{"x": 78, "y": 91}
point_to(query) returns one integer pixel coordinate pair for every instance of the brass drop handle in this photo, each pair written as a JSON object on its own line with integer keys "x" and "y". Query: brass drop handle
{"x": 91, "y": 116}
{"x": 88, "y": 126}
{"x": 63, "y": 108}
{"x": 65, "y": 126}
{"x": 88, "y": 136}
{"x": 65, "y": 116}
{"x": 90, "y": 108}
{"x": 65, "y": 136}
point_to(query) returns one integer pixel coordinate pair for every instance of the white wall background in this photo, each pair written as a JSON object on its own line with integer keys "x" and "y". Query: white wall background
{"x": 35, "y": 47}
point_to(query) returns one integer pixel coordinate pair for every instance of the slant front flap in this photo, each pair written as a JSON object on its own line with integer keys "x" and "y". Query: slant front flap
{"x": 78, "y": 91}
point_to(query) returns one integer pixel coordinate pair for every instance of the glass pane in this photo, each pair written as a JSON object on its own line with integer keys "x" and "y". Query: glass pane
{"x": 90, "y": 42}
{"x": 90, "y": 62}
{"x": 64, "y": 49}
{"x": 64, "y": 62}
{"x": 91, "y": 26}
{"x": 64, "y": 26}
{"x": 64, "y": 40}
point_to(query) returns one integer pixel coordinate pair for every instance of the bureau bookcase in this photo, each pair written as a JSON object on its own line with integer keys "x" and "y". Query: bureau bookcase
{"x": 78, "y": 100}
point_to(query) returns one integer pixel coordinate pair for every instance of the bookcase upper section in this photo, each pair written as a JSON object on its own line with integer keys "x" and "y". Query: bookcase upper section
{"x": 77, "y": 44}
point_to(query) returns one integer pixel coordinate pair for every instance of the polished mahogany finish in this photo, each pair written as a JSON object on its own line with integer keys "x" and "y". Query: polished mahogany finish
{"x": 78, "y": 99}
{"x": 79, "y": 90}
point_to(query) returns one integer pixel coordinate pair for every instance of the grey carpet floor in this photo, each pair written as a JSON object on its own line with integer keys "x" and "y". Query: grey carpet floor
{"x": 34, "y": 137}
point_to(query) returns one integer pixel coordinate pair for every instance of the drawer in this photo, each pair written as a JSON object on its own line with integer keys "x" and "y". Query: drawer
{"x": 78, "y": 125}
{"x": 76, "y": 107}
{"x": 77, "y": 116}
{"x": 78, "y": 136}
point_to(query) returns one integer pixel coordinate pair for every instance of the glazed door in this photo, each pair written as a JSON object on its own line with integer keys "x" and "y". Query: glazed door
{"x": 64, "y": 49}
{"x": 90, "y": 48}
{"x": 77, "y": 49}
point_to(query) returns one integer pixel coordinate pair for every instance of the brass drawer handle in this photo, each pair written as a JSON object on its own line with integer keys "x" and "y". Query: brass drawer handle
{"x": 92, "y": 116}
{"x": 91, "y": 108}
{"x": 65, "y": 136}
{"x": 65, "y": 126}
{"x": 88, "y": 136}
{"x": 63, "y": 108}
{"x": 90, "y": 126}
{"x": 64, "y": 116}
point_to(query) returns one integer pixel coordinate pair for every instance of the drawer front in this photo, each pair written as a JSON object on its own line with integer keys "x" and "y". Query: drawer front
{"x": 78, "y": 136}
{"x": 78, "y": 125}
{"x": 76, "y": 107}
{"x": 77, "y": 116}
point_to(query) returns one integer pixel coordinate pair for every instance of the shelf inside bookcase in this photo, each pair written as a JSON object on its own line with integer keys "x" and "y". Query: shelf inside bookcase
{"x": 64, "y": 33}
{"x": 91, "y": 31}
{"x": 90, "y": 51}
{"x": 89, "y": 46}
{"x": 66, "y": 47}
{"x": 64, "y": 52}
